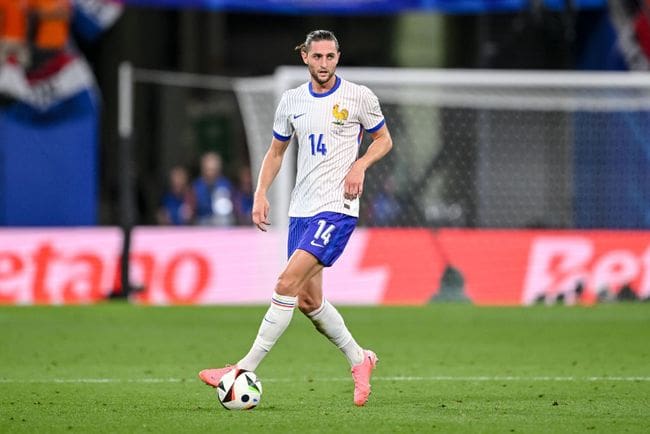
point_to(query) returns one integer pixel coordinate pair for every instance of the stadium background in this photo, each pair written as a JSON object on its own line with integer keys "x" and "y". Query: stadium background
{"x": 548, "y": 230}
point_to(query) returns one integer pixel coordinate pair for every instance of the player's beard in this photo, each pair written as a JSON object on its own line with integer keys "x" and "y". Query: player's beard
{"x": 317, "y": 79}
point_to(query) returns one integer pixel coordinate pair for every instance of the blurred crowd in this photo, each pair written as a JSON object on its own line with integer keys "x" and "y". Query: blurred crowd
{"x": 211, "y": 199}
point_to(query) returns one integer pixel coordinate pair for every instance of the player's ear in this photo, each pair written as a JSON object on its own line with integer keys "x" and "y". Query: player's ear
{"x": 303, "y": 54}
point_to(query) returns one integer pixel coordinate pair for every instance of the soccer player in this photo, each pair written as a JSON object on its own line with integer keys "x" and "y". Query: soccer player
{"x": 327, "y": 115}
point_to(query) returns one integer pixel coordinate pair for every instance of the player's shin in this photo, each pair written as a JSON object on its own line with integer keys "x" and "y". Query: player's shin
{"x": 329, "y": 322}
{"x": 274, "y": 323}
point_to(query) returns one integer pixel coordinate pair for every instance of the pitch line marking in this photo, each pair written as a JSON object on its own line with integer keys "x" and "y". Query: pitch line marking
{"x": 332, "y": 379}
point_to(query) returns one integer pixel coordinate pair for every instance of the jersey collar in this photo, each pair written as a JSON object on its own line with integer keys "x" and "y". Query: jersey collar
{"x": 329, "y": 92}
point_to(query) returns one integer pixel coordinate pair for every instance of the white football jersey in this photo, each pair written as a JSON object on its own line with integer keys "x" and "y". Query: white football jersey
{"x": 328, "y": 128}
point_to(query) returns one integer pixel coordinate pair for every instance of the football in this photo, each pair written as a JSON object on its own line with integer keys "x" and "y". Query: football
{"x": 239, "y": 389}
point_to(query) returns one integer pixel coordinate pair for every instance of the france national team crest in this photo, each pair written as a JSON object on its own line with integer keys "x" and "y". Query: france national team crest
{"x": 340, "y": 115}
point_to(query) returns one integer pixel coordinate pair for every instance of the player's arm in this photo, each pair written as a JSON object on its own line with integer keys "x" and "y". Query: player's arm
{"x": 270, "y": 168}
{"x": 380, "y": 146}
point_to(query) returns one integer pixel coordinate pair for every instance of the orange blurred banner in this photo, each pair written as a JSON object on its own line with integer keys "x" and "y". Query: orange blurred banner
{"x": 522, "y": 267}
{"x": 379, "y": 266}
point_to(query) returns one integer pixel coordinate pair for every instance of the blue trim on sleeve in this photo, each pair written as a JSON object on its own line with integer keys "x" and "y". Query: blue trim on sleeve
{"x": 329, "y": 92}
{"x": 280, "y": 136}
{"x": 376, "y": 127}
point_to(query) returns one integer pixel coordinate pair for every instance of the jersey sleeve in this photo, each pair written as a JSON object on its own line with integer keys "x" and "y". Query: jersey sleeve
{"x": 282, "y": 128}
{"x": 371, "y": 117}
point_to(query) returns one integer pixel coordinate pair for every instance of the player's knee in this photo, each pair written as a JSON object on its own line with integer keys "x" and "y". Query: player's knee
{"x": 287, "y": 285}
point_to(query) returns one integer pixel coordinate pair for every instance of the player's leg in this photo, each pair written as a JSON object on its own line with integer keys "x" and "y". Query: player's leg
{"x": 278, "y": 316}
{"x": 327, "y": 319}
{"x": 330, "y": 323}
{"x": 301, "y": 267}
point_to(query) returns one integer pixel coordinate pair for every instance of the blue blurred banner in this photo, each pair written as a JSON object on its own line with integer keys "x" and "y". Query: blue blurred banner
{"x": 49, "y": 112}
{"x": 48, "y": 163}
{"x": 612, "y": 180}
{"x": 367, "y": 6}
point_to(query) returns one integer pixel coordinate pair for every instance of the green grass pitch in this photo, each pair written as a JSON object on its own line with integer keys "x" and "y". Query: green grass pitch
{"x": 444, "y": 368}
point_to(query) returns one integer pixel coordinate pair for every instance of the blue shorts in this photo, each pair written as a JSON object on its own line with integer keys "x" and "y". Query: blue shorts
{"x": 324, "y": 235}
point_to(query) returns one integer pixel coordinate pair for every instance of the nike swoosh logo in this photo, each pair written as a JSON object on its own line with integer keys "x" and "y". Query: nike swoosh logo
{"x": 297, "y": 116}
{"x": 315, "y": 244}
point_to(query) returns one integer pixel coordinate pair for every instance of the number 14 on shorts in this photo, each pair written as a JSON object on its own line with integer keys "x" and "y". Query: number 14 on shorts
{"x": 323, "y": 233}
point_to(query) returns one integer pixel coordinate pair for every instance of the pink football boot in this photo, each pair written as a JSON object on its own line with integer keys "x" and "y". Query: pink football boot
{"x": 212, "y": 377}
{"x": 361, "y": 375}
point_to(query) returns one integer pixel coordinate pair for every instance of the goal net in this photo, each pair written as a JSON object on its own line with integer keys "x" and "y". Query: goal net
{"x": 492, "y": 148}
{"x": 472, "y": 148}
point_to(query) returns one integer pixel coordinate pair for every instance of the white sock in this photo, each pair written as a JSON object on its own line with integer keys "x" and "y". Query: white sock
{"x": 329, "y": 322}
{"x": 275, "y": 322}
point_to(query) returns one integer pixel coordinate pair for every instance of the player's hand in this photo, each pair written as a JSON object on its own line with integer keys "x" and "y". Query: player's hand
{"x": 353, "y": 184}
{"x": 260, "y": 212}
